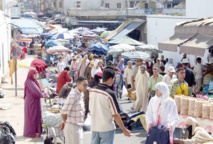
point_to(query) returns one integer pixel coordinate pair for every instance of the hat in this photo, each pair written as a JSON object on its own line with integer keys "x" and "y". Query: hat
{"x": 185, "y": 61}
{"x": 100, "y": 74}
{"x": 171, "y": 69}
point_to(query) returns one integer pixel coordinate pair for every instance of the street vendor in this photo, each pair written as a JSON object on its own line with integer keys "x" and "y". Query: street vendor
{"x": 197, "y": 134}
{"x": 180, "y": 86}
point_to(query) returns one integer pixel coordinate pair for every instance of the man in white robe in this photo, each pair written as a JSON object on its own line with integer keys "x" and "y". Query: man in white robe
{"x": 141, "y": 83}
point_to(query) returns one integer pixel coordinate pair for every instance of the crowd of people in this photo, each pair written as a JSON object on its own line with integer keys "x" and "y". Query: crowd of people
{"x": 102, "y": 83}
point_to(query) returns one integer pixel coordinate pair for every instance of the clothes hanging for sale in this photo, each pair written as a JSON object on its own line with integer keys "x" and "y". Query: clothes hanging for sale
{"x": 158, "y": 134}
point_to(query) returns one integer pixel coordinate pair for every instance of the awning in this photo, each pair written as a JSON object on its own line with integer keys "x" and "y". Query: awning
{"x": 125, "y": 28}
{"x": 202, "y": 41}
{"x": 183, "y": 32}
{"x": 129, "y": 28}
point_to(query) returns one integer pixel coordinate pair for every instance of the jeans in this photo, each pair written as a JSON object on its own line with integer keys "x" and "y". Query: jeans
{"x": 103, "y": 137}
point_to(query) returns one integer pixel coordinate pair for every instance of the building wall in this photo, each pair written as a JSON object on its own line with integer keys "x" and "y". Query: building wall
{"x": 160, "y": 28}
{"x": 4, "y": 44}
{"x": 199, "y": 8}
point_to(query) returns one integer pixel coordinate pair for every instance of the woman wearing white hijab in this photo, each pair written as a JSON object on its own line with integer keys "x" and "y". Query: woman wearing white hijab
{"x": 162, "y": 110}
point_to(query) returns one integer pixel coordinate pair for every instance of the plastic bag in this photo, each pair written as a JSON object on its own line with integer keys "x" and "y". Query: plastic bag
{"x": 125, "y": 92}
{"x": 87, "y": 122}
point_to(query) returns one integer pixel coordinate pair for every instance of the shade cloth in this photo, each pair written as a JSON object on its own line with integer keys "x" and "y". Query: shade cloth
{"x": 135, "y": 55}
{"x": 98, "y": 48}
{"x": 125, "y": 40}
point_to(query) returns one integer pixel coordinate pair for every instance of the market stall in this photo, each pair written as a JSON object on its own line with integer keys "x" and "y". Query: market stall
{"x": 199, "y": 108}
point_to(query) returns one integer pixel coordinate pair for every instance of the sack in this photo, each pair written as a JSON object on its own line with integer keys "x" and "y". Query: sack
{"x": 184, "y": 105}
{"x": 7, "y": 134}
{"x": 206, "y": 111}
{"x": 191, "y": 107}
{"x": 133, "y": 95}
{"x": 177, "y": 101}
{"x": 52, "y": 120}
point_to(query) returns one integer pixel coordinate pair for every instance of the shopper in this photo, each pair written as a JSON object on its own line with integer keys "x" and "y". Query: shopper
{"x": 104, "y": 110}
{"x": 72, "y": 113}
{"x": 162, "y": 110}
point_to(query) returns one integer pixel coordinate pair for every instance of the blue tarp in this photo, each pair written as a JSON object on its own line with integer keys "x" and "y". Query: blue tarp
{"x": 52, "y": 43}
{"x": 99, "y": 49}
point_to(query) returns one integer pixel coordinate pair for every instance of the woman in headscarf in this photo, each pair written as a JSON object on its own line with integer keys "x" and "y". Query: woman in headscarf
{"x": 197, "y": 134}
{"x": 88, "y": 70}
{"x": 162, "y": 110}
{"x": 168, "y": 64}
{"x": 96, "y": 68}
{"x": 32, "y": 106}
{"x": 141, "y": 82}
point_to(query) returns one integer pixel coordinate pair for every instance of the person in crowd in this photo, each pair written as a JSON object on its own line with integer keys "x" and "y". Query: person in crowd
{"x": 72, "y": 113}
{"x": 135, "y": 70}
{"x": 128, "y": 75}
{"x": 210, "y": 56}
{"x": 169, "y": 76}
{"x": 198, "y": 71}
{"x": 162, "y": 70}
{"x": 153, "y": 80}
{"x": 158, "y": 63}
{"x": 104, "y": 110}
{"x": 180, "y": 86}
{"x": 60, "y": 65}
{"x": 92, "y": 83}
{"x": 82, "y": 65}
{"x": 74, "y": 68}
{"x": 101, "y": 65}
{"x": 168, "y": 64}
{"x": 162, "y": 110}
{"x": 149, "y": 66}
{"x": 118, "y": 83}
{"x": 24, "y": 49}
{"x": 141, "y": 83}
{"x": 96, "y": 68}
{"x": 163, "y": 60}
{"x": 109, "y": 64}
{"x": 65, "y": 90}
{"x": 121, "y": 66}
{"x": 62, "y": 79}
{"x": 189, "y": 78}
{"x": 197, "y": 134}
{"x": 88, "y": 70}
{"x": 67, "y": 58}
{"x": 186, "y": 59}
{"x": 32, "y": 106}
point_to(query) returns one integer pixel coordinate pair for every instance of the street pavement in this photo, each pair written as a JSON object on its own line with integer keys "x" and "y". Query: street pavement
{"x": 15, "y": 116}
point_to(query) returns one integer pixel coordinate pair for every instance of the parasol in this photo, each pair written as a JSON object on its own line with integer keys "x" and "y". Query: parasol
{"x": 98, "y": 48}
{"x": 148, "y": 48}
{"x": 120, "y": 48}
{"x": 65, "y": 36}
{"x": 40, "y": 65}
{"x": 105, "y": 34}
{"x": 58, "y": 49}
{"x": 136, "y": 55}
{"x": 51, "y": 43}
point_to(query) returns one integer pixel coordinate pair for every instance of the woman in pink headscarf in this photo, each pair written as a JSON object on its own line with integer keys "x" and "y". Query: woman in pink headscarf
{"x": 32, "y": 106}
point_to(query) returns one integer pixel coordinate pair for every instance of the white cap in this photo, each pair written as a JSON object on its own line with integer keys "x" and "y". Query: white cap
{"x": 185, "y": 60}
{"x": 171, "y": 69}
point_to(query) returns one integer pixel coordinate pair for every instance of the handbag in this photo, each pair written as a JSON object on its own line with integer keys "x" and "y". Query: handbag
{"x": 158, "y": 134}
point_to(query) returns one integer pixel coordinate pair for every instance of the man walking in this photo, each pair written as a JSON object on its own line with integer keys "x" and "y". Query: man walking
{"x": 73, "y": 113}
{"x": 104, "y": 110}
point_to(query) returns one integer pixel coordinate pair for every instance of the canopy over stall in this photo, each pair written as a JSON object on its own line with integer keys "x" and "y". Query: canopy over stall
{"x": 193, "y": 37}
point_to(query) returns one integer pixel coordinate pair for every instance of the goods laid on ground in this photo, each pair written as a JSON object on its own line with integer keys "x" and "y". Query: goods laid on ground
{"x": 200, "y": 109}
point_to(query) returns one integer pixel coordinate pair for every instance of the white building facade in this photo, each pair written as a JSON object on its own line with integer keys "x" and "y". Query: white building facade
{"x": 5, "y": 38}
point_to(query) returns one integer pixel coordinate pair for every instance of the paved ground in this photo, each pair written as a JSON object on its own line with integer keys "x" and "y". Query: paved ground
{"x": 15, "y": 115}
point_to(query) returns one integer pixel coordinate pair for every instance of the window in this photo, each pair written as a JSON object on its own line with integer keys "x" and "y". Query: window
{"x": 118, "y": 5}
{"x": 146, "y": 5}
{"x": 132, "y": 4}
{"x": 78, "y": 4}
{"x": 106, "y": 5}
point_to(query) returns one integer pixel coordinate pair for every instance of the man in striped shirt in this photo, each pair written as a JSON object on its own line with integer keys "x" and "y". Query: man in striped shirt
{"x": 72, "y": 113}
{"x": 104, "y": 110}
